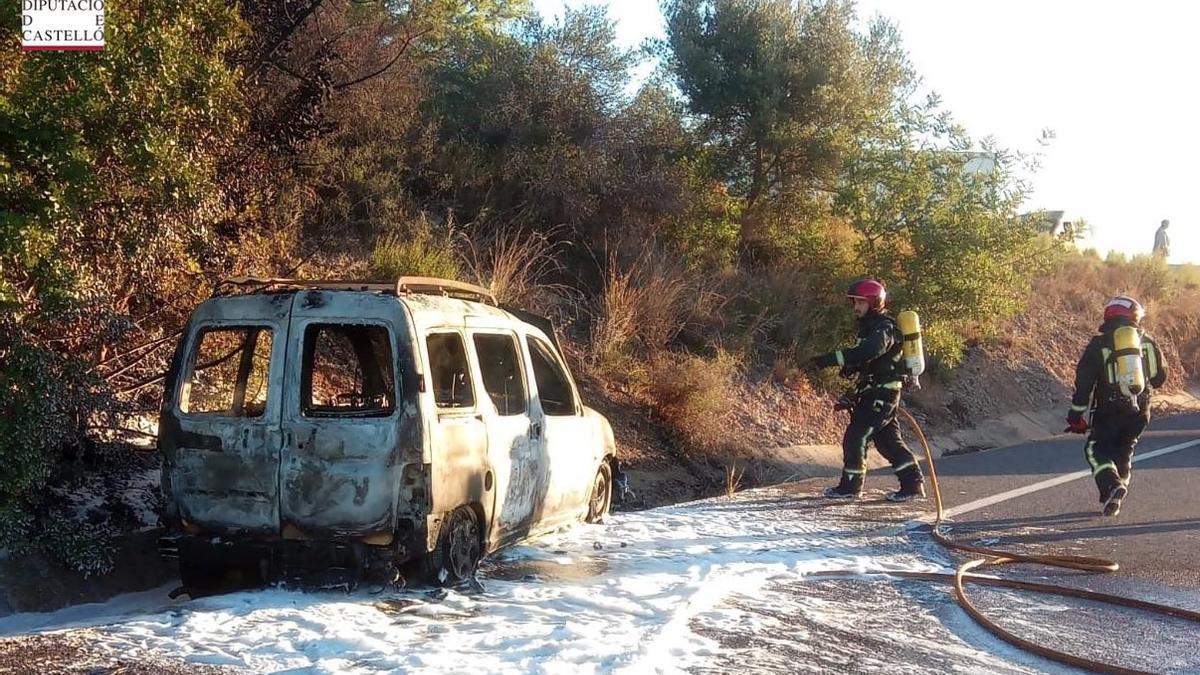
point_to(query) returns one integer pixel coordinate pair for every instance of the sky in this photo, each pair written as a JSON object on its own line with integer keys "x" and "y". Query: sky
{"x": 1110, "y": 79}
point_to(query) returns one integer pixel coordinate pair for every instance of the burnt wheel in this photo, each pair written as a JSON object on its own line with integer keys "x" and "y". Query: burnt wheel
{"x": 201, "y": 579}
{"x": 601, "y": 499}
{"x": 458, "y": 550}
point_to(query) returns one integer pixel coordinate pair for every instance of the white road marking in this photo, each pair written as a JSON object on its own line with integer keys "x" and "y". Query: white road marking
{"x": 1049, "y": 483}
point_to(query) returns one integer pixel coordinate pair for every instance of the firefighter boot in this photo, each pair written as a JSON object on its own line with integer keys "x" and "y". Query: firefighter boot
{"x": 1112, "y": 505}
{"x": 849, "y": 487}
{"x": 1112, "y": 491}
{"x": 912, "y": 486}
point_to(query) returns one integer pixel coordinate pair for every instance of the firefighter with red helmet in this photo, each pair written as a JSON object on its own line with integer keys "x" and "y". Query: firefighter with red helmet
{"x": 1115, "y": 378}
{"x": 877, "y": 363}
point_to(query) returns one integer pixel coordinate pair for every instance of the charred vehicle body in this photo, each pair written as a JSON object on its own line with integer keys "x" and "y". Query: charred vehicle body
{"x": 341, "y": 428}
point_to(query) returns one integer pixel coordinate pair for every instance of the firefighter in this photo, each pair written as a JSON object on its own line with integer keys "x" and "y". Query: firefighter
{"x": 877, "y": 363}
{"x": 1115, "y": 379}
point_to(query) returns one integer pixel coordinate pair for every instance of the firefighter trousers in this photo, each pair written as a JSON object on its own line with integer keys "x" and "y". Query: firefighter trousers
{"x": 1109, "y": 447}
{"x": 873, "y": 419}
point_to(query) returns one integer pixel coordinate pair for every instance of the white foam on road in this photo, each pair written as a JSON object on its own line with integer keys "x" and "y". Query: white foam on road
{"x": 718, "y": 586}
{"x": 631, "y": 608}
{"x": 91, "y": 614}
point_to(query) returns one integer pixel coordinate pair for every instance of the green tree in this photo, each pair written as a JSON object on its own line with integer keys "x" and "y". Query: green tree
{"x": 108, "y": 186}
{"x": 536, "y": 130}
{"x": 335, "y": 89}
{"x": 939, "y": 220}
{"x": 521, "y": 118}
{"x": 783, "y": 93}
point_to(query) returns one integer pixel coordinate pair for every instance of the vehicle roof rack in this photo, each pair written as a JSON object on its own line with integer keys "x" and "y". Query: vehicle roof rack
{"x": 403, "y": 285}
{"x": 454, "y": 289}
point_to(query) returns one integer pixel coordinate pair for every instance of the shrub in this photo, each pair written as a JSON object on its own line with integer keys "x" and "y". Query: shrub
{"x": 691, "y": 395}
{"x": 513, "y": 264}
{"x": 419, "y": 254}
{"x": 646, "y": 307}
{"x": 708, "y": 227}
{"x": 43, "y": 396}
{"x": 83, "y": 547}
{"x": 809, "y": 310}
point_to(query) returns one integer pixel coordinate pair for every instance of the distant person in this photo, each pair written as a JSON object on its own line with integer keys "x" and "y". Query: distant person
{"x": 1162, "y": 243}
{"x": 1118, "y": 418}
{"x": 876, "y": 362}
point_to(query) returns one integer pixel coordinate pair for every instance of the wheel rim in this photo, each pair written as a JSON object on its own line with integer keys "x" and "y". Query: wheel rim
{"x": 464, "y": 546}
{"x": 599, "y": 494}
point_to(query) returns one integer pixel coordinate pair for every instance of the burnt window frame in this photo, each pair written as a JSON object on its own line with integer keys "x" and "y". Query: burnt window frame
{"x": 193, "y": 352}
{"x": 304, "y": 392}
{"x": 577, "y": 406}
{"x": 472, "y": 366}
{"x": 515, "y": 342}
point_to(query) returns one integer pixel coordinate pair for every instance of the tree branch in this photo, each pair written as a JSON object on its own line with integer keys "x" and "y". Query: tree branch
{"x": 143, "y": 384}
{"x": 129, "y": 366}
{"x": 403, "y": 49}
{"x": 140, "y": 347}
{"x": 287, "y": 34}
{"x": 288, "y": 71}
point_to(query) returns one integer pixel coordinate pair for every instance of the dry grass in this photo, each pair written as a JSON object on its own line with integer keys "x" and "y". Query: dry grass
{"x": 692, "y": 396}
{"x": 1068, "y": 305}
{"x": 785, "y": 310}
{"x": 638, "y": 322}
{"x": 733, "y": 478}
{"x": 643, "y": 308}
{"x": 514, "y": 265}
{"x": 1177, "y": 329}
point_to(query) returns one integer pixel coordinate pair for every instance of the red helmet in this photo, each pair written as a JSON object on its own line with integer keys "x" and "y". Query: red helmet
{"x": 1124, "y": 306}
{"x": 871, "y": 290}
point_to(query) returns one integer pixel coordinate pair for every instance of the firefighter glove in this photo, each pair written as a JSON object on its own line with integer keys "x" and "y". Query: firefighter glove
{"x": 1076, "y": 424}
{"x": 844, "y": 403}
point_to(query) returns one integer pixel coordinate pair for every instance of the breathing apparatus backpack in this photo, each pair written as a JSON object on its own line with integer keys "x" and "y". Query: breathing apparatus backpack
{"x": 1123, "y": 365}
{"x": 914, "y": 350}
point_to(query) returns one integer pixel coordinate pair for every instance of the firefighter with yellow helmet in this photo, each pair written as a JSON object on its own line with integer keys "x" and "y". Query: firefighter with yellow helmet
{"x": 1114, "y": 379}
{"x": 880, "y": 365}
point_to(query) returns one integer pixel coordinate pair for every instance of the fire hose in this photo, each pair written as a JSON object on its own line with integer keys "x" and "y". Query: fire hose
{"x": 996, "y": 558}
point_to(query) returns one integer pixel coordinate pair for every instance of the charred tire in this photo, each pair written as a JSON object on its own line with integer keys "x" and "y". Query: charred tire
{"x": 459, "y": 549}
{"x": 601, "y": 500}
{"x": 200, "y": 579}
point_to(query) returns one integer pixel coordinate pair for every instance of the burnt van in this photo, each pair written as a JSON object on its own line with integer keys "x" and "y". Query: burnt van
{"x": 315, "y": 428}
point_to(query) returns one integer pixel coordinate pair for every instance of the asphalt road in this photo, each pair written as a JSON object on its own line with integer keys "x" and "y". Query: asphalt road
{"x": 1155, "y": 539}
{"x": 916, "y": 627}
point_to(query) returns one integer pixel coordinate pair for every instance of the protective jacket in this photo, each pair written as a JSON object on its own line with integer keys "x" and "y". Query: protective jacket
{"x": 878, "y": 356}
{"x": 1096, "y": 373}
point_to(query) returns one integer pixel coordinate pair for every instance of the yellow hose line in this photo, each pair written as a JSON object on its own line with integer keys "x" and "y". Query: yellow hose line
{"x": 995, "y": 558}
